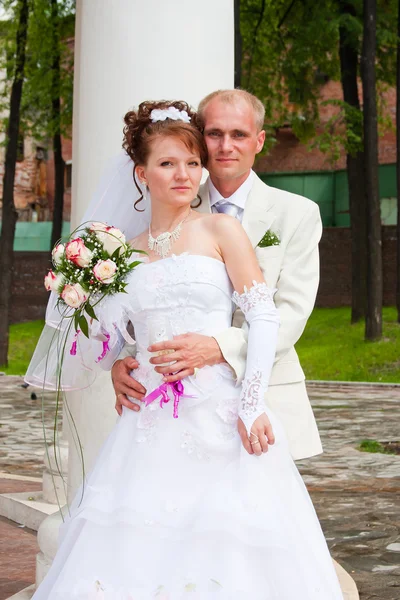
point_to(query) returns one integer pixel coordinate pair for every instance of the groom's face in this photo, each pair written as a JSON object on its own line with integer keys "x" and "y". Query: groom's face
{"x": 232, "y": 138}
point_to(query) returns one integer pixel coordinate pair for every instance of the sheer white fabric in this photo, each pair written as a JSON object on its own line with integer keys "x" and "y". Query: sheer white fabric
{"x": 175, "y": 509}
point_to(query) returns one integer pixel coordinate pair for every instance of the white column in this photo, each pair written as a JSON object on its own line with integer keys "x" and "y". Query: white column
{"x": 127, "y": 51}
{"x": 130, "y": 51}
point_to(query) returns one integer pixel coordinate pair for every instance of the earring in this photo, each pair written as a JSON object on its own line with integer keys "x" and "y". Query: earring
{"x": 144, "y": 183}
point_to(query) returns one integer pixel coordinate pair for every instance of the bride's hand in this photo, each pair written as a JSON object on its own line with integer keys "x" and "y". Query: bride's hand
{"x": 261, "y": 429}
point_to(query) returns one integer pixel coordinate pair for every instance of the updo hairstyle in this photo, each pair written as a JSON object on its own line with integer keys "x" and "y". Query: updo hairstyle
{"x": 140, "y": 132}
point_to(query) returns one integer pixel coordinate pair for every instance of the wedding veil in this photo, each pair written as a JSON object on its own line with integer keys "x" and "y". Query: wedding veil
{"x": 112, "y": 203}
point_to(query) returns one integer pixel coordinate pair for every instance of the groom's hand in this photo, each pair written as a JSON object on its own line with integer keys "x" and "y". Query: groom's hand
{"x": 190, "y": 351}
{"x": 125, "y": 385}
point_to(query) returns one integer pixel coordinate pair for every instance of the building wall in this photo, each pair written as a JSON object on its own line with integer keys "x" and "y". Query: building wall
{"x": 289, "y": 155}
{"x": 29, "y": 297}
{"x": 335, "y": 258}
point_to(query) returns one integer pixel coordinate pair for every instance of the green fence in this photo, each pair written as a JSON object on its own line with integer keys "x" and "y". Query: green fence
{"x": 35, "y": 236}
{"x": 329, "y": 189}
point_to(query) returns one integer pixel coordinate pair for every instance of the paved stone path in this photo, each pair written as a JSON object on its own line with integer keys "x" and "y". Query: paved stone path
{"x": 356, "y": 494}
{"x": 18, "y": 546}
{"x": 21, "y": 427}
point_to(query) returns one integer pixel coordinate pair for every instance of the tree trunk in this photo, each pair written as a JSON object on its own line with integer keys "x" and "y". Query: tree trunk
{"x": 9, "y": 216}
{"x": 348, "y": 53}
{"x": 59, "y": 165}
{"x": 238, "y": 45}
{"x": 373, "y": 325}
{"x": 398, "y": 164}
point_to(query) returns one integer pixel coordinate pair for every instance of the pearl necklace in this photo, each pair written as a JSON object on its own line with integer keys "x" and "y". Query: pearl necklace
{"x": 163, "y": 242}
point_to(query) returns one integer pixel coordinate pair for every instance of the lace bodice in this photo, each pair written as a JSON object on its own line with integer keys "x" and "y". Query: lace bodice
{"x": 193, "y": 293}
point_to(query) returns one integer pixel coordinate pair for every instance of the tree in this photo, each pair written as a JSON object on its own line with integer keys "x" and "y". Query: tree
{"x": 9, "y": 214}
{"x": 47, "y": 99}
{"x": 398, "y": 161}
{"x": 373, "y": 329}
{"x": 238, "y": 45}
{"x": 291, "y": 47}
{"x": 349, "y": 43}
{"x": 42, "y": 88}
{"x": 59, "y": 165}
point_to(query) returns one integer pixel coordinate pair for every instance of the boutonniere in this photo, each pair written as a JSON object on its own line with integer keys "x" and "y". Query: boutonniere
{"x": 269, "y": 239}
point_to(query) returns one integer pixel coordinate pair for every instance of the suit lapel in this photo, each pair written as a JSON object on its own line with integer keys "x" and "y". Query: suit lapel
{"x": 258, "y": 216}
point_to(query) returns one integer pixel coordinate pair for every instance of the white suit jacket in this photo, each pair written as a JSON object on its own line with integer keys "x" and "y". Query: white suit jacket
{"x": 293, "y": 268}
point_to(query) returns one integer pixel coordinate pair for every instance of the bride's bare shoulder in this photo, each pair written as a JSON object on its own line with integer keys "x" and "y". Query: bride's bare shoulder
{"x": 217, "y": 220}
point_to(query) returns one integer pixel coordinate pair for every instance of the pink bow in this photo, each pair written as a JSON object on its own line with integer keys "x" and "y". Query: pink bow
{"x": 73, "y": 347}
{"x": 177, "y": 390}
{"x": 106, "y": 348}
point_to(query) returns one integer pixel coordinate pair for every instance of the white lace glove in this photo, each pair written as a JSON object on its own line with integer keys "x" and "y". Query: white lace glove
{"x": 262, "y": 316}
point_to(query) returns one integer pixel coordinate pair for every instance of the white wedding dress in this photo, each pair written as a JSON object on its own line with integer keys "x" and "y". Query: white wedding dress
{"x": 175, "y": 508}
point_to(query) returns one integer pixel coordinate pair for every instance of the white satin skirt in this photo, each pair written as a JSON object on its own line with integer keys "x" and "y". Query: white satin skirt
{"x": 176, "y": 509}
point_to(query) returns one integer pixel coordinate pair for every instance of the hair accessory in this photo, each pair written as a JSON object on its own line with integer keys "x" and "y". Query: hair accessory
{"x": 161, "y": 114}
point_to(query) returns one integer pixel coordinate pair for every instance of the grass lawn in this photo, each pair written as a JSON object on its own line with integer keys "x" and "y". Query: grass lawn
{"x": 330, "y": 348}
{"x": 23, "y": 338}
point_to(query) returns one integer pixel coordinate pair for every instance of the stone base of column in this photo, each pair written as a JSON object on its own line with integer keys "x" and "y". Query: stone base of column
{"x": 25, "y": 594}
{"x": 48, "y": 542}
{"x": 31, "y": 508}
{"x": 347, "y": 584}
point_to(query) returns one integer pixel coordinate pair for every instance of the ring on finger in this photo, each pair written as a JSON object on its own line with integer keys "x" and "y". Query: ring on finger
{"x": 254, "y": 443}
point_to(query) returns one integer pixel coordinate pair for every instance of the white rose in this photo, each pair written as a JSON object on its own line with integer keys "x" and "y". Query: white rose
{"x": 58, "y": 253}
{"x": 74, "y": 295}
{"x": 111, "y": 239}
{"x": 105, "y": 270}
{"x": 98, "y": 226}
{"x": 78, "y": 253}
{"x": 53, "y": 281}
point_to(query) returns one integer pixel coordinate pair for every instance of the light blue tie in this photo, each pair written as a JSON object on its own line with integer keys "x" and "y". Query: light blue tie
{"x": 227, "y": 208}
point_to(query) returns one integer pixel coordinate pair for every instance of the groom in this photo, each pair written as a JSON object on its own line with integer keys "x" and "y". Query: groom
{"x": 285, "y": 230}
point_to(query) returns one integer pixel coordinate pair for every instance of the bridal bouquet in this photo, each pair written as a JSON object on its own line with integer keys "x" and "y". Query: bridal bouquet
{"x": 89, "y": 267}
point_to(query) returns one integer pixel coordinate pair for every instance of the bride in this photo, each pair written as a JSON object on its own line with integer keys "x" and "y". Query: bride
{"x": 176, "y": 508}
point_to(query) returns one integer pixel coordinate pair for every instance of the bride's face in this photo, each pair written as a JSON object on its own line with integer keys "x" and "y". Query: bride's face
{"x": 173, "y": 172}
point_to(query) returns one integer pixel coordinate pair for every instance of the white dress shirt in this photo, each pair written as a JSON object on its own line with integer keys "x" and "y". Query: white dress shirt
{"x": 238, "y": 198}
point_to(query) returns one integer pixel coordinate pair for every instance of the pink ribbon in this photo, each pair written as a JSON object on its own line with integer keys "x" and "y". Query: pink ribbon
{"x": 177, "y": 390}
{"x": 106, "y": 348}
{"x": 73, "y": 347}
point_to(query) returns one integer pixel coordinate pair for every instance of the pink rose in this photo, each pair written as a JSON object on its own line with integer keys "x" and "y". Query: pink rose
{"x": 98, "y": 226}
{"x": 53, "y": 282}
{"x": 78, "y": 253}
{"x": 105, "y": 270}
{"x": 74, "y": 295}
